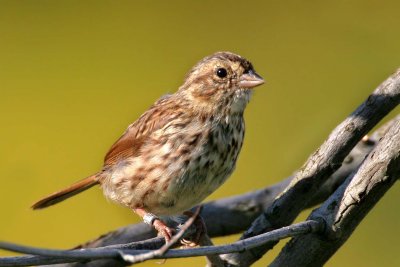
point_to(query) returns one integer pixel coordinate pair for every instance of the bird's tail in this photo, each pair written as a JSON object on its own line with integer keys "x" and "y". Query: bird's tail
{"x": 68, "y": 192}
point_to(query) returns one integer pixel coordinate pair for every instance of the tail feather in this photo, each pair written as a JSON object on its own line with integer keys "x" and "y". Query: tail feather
{"x": 68, "y": 192}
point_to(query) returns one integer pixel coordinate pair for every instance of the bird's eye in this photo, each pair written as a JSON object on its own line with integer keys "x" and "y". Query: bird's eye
{"x": 221, "y": 72}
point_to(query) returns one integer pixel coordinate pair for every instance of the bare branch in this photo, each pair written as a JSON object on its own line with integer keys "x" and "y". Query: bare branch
{"x": 320, "y": 165}
{"x": 237, "y": 210}
{"x": 99, "y": 253}
{"x": 212, "y": 260}
{"x": 351, "y": 202}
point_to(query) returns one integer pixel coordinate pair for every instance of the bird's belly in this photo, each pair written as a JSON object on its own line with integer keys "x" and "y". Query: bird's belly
{"x": 164, "y": 186}
{"x": 190, "y": 188}
{"x": 207, "y": 170}
{"x": 193, "y": 188}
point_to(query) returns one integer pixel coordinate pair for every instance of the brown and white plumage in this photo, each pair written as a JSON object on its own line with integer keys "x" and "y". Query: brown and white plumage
{"x": 182, "y": 148}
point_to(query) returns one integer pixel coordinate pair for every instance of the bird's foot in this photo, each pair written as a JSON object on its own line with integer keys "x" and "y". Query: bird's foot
{"x": 157, "y": 223}
{"x": 163, "y": 229}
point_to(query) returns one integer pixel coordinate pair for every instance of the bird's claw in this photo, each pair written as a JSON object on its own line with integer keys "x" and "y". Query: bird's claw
{"x": 163, "y": 229}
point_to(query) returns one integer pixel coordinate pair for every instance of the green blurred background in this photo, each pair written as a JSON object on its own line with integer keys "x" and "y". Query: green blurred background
{"x": 74, "y": 74}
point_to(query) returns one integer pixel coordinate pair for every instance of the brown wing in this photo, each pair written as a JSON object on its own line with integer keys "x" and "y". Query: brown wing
{"x": 161, "y": 113}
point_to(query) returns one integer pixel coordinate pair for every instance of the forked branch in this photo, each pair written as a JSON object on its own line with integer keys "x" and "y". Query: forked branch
{"x": 348, "y": 206}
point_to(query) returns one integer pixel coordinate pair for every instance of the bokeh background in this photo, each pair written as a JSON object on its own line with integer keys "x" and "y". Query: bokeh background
{"x": 74, "y": 74}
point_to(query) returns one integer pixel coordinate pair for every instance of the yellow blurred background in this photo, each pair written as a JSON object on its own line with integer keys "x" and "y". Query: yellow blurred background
{"x": 74, "y": 74}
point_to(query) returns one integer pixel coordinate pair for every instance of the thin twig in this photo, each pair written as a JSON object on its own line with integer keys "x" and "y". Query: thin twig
{"x": 306, "y": 227}
{"x": 161, "y": 251}
{"x": 212, "y": 260}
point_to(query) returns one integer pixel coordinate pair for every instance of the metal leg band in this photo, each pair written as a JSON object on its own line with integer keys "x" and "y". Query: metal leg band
{"x": 149, "y": 218}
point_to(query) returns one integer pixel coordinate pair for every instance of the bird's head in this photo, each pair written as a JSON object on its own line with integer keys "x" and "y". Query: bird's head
{"x": 221, "y": 81}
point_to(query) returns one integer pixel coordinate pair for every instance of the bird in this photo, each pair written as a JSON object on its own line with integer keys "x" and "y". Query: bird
{"x": 181, "y": 149}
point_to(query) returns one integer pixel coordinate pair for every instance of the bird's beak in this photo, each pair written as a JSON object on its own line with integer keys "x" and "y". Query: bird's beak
{"x": 250, "y": 79}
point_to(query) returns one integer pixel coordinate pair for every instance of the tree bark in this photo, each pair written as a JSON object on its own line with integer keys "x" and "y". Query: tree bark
{"x": 348, "y": 206}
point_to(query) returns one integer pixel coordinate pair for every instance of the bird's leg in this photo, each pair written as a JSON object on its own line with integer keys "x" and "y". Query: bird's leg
{"x": 201, "y": 231}
{"x": 156, "y": 222}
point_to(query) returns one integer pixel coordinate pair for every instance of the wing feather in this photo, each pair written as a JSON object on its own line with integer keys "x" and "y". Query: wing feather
{"x": 128, "y": 145}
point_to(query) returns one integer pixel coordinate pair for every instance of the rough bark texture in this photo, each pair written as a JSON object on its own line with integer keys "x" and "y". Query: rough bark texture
{"x": 347, "y": 207}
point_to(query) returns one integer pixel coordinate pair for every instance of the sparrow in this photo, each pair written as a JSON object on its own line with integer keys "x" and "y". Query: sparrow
{"x": 181, "y": 149}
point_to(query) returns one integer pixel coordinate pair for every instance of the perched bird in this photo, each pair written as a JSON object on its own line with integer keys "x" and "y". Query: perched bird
{"x": 181, "y": 149}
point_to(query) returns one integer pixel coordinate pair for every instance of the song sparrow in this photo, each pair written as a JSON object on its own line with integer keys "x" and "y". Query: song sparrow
{"x": 181, "y": 149}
